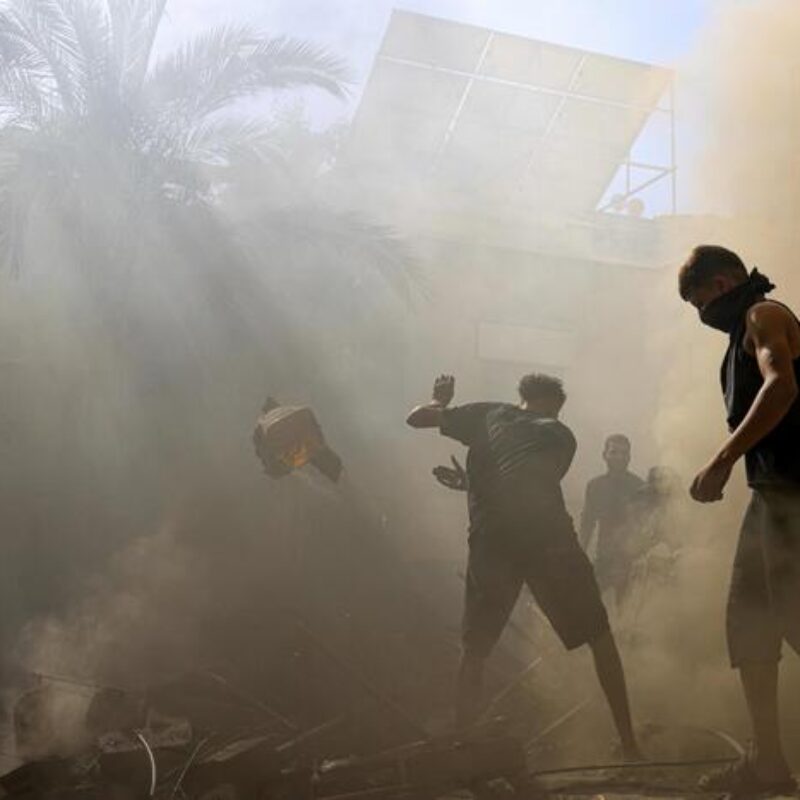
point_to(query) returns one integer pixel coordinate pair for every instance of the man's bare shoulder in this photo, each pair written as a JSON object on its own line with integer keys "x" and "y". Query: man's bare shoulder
{"x": 769, "y": 313}
{"x": 769, "y": 319}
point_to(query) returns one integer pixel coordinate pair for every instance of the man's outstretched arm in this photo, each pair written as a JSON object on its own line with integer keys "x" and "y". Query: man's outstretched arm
{"x": 768, "y": 326}
{"x": 430, "y": 415}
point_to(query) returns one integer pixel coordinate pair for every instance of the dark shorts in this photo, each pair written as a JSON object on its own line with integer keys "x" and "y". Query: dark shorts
{"x": 560, "y": 577}
{"x": 764, "y": 599}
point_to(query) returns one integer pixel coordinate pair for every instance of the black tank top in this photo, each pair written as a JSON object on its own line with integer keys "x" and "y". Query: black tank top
{"x": 775, "y": 460}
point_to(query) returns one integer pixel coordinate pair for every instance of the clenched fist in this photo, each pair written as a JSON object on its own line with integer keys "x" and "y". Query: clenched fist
{"x": 444, "y": 387}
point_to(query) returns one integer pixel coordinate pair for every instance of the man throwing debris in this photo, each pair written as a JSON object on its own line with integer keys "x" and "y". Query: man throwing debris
{"x": 520, "y": 532}
{"x": 760, "y": 384}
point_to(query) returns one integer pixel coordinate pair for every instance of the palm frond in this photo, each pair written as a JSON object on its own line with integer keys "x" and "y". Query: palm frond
{"x": 134, "y": 25}
{"x": 40, "y": 30}
{"x": 20, "y": 60}
{"x": 96, "y": 73}
{"x": 24, "y": 100}
{"x": 71, "y": 71}
{"x": 228, "y": 63}
{"x": 287, "y": 63}
{"x": 225, "y": 141}
{"x": 16, "y": 49}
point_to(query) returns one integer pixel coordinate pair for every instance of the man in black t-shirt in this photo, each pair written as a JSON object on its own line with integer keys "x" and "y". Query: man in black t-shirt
{"x": 520, "y": 533}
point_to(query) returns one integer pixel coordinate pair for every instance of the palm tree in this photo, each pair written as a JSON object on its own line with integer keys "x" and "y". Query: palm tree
{"x": 99, "y": 138}
{"x": 95, "y": 133}
{"x": 112, "y": 159}
{"x": 113, "y": 165}
{"x": 118, "y": 170}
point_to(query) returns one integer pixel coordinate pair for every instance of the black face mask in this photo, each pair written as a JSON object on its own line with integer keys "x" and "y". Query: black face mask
{"x": 726, "y": 311}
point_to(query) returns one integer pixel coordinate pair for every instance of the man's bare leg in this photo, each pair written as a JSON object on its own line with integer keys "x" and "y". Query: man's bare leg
{"x": 469, "y": 689}
{"x": 760, "y": 683}
{"x": 608, "y": 666}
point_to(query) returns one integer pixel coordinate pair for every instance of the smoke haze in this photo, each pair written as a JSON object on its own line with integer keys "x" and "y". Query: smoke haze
{"x": 141, "y": 538}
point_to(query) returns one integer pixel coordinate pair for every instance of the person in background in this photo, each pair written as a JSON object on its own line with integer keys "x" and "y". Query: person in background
{"x": 607, "y": 512}
{"x": 659, "y": 508}
{"x": 659, "y": 525}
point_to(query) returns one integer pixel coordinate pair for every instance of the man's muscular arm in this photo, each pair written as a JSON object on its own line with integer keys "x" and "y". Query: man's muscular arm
{"x": 430, "y": 415}
{"x": 770, "y": 329}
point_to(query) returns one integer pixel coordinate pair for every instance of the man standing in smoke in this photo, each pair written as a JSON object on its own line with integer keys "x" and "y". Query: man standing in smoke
{"x": 760, "y": 384}
{"x": 520, "y": 532}
{"x": 607, "y": 509}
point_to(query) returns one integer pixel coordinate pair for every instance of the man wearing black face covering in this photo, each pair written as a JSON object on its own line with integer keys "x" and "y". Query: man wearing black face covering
{"x": 760, "y": 376}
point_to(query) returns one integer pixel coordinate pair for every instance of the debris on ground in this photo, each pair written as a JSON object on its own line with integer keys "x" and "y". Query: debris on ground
{"x": 137, "y": 747}
{"x": 166, "y": 757}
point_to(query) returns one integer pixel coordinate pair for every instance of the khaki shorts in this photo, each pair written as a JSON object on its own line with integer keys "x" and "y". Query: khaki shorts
{"x": 764, "y": 598}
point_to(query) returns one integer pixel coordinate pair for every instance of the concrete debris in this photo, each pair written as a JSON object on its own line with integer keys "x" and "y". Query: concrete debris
{"x": 287, "y": 438}
{"x": 174, "y": 759}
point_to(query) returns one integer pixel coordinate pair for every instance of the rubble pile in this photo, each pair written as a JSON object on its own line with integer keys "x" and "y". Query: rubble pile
{"x": 133, "y": 749}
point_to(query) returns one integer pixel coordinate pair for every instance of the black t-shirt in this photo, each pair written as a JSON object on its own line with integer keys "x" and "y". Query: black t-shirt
{"x": 515, "y": 464}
